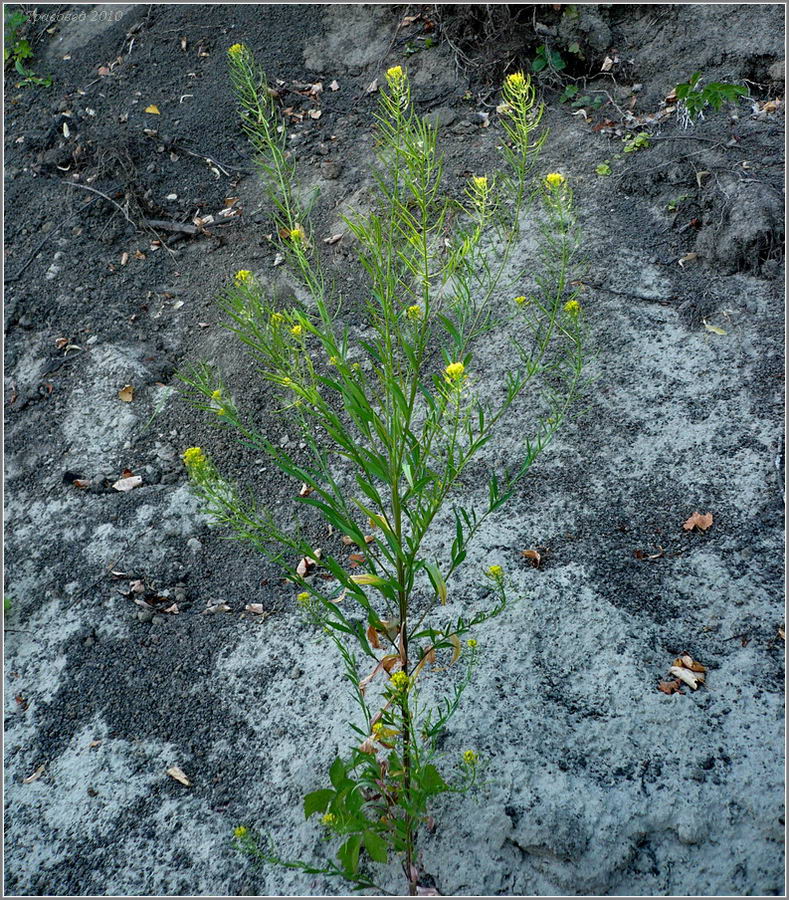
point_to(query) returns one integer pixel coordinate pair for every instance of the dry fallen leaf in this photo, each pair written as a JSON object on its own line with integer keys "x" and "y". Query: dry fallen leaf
{"x": 82, "y": 483}
{"x": 782, "y": 632}
{"x": 315, "y": 113}
{"x": 178, "y": 774}
{"x": 128, "y": 484}
{"x": 607, "y": 63}
{"x": 153, "y": 110}
{"x": 689, "y": 663}
{"x": 94, "y": 744}
{"x": 697, "y": 520}
{"x": 35, "y": 776}
{"x": 713, "y": 328}
{"x": 688, "y": 257}
{"x": 306, "y": 490}
{"x": 216, "y": 608}
{"x": 126, "y": 393}
{"x": 670, "y": 687}
{"x": 533, "y": 556}
{"x": 334, "y": 86}
{"x": 372, "y": 87}
{"x": 172, "y": 609}
{"x": 257, "y": 609}
{"x": 333, "y": 239}
{"x": 692, "y": 679}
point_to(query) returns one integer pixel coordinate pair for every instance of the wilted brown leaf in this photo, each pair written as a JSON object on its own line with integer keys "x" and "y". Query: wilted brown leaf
{"x": 126, "y": 393}
{"x": 153, "y": 109}
{"x": 692, "y": 679}
{"x": 35, "y": 776}
{"x": 689, "y": 663}
{"x": 172, "y": 609}
{"x": 82, "y": 483}
{"x": 215, "y": 608}
{"x": 782, "y": 632}
{"x": 670, "y": 687}
{"x": 334, "y": 86}
{"x": 697, "y": 520}
{"x": 356, "y": 559}
{"x": 178, "y": 774}
{"x": 533, "y": 556}
{"x": 305, "y": 490}
{"x": 257, "y": 609}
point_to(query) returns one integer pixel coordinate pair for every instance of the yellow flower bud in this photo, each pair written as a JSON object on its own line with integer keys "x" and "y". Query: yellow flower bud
{"x": 394, "y": 74}
{"x": 243, "y": 276}
{"x": 454, "y": 373}
{"x": 572, "y": 307}
{"x": 236, "y": 49}
{"x": 414, "y": 312}
{"x": 554, "y": 180}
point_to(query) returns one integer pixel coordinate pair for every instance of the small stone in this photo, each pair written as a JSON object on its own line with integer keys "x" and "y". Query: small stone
{"x": 441, "y": 117}
{"x": 194, "y": 545}
{"x": 145, "y": 615}
{"x": 331, "y": 169}
{"x": 777, "y": 71}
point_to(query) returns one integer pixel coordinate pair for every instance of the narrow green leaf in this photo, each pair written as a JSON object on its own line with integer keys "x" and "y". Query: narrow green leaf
{"x": 337, "y": 773}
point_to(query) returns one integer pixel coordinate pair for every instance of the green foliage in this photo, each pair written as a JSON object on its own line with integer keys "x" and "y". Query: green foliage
{"x": 547, "y": 59}
{"x": 400, "y": 411}
{"x": 571, "y": 92}
{"x": 7, "y": 604}
{"x": 603, "y": 169}
{"x": 639, "y": 141}
{"x": 17, "y": 49}
{"x": 694, "y": 99}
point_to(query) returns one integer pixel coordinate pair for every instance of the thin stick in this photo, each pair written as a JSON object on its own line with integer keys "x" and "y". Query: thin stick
{"x": 87, "y": 187}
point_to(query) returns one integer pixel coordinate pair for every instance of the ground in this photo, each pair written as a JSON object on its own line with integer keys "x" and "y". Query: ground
{"x": 594, "y": 781}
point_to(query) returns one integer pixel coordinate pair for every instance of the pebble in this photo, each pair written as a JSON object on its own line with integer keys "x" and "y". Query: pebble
{"x": 145, "y": 615}
{"x": 194, "y": 545}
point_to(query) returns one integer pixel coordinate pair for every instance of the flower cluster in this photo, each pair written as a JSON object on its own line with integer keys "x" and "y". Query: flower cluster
{"x": 496, "y": 573}
{"x": 240, "y": 831}
{"x": 470, "y": 758}
{"x": 520, "y": 301}
{"x": 236, "y": 50}
{"x": 455, "y": 373}
{"x": 194, "y": 458}
{"x": 516, "y": 82}
{"x": 572, "y": 307}
{"x": 400, "y": 681}
{"x": 554, "y": 180}
{"x": 243, "y": 277}
{"x": 414, "y": 313}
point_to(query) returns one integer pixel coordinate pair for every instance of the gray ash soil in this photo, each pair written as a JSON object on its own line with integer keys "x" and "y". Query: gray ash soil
{"x": 595, "y": 782}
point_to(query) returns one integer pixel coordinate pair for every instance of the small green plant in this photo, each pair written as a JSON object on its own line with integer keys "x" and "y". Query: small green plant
{"x": 571, "y": 92}
{"x": 17, "y": 49}
{"x": 674, "y": 205}
{"x": 7, "y": 604}
{"x": 694, "y": 99}
{"x": 390, "y": 421}
{"x": 603, "y": 168}
{"x": 636, "y": 142}
{"x": 547, "y": 59}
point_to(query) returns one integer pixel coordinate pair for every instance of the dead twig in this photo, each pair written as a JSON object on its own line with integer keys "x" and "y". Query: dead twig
{"x": 93, "y": 190}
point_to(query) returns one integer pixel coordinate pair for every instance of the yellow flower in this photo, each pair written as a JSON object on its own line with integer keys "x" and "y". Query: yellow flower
{"x": 516, "y": 81}
{"x": 334, "y": 360}
{"x": 572, "y": 307}
{"x": 414, "y": 312}
{"x": 296, "y": 330}
{"x": 394, "y": 74}
{"x": 236, "y": 49}
{"x": 216, "y": 395}
{"x": 470, "y": 758}
{"x": 521, "y": 301}
{"x": 480, "y": 183}
{"x": 194, "y": 456}
{"x": 328, "y": 819}
{"x": 454, "y": 373}
{"x": 400, "y": 681}
{"x": 240, "y": 831}
{"x": 496, "y": 572}
{"x": 277, "y": 318}
{"x": 297, "y": 234}
{"x": 221, "y": 411}
{"x": 303, "y": 598}
{"x": 377, "y": 727}
{"x": 554, "y": 180}
{"x": 471, "y": 643}
{"x": 243, "y": 276}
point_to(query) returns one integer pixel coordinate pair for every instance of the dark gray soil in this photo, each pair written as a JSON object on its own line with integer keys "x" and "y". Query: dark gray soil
{"x": 596, "y": 782}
